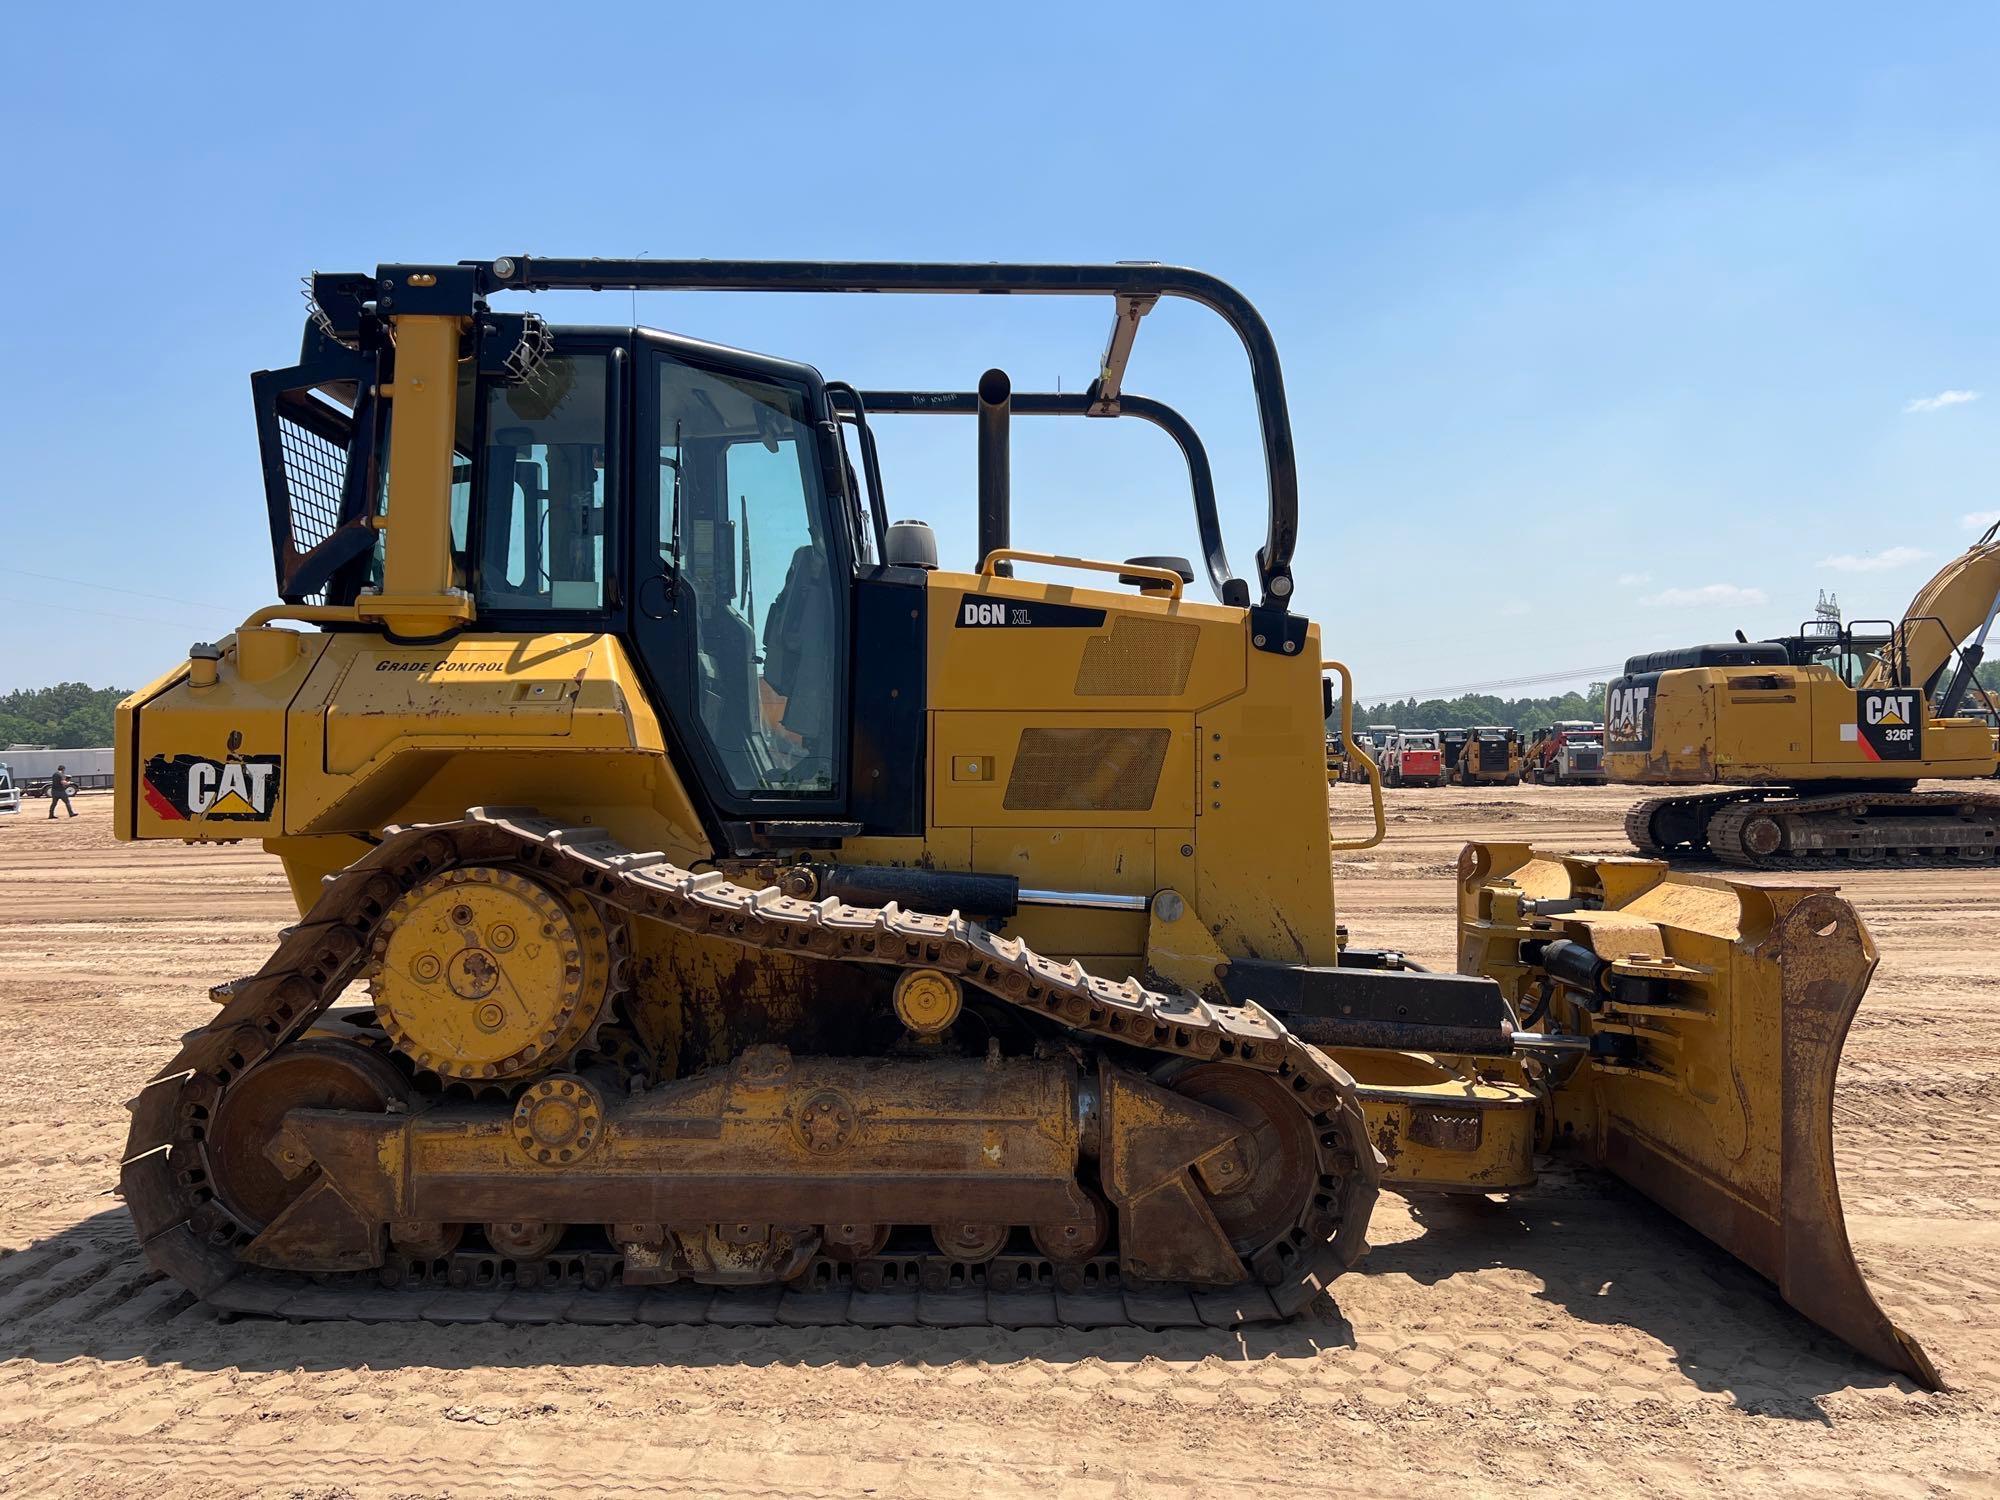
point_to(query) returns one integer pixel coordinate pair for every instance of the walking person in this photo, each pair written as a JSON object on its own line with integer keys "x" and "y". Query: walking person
{"x": 61, "y": 789}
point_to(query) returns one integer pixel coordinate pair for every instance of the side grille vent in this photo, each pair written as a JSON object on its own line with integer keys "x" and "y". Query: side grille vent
{"x": 1141, "y": 658}
{"x": 1086, "y": 770}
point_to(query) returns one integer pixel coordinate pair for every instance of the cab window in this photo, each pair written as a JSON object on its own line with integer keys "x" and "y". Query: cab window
{"x": 543, "y": 518}
{"x": 743, "y": 541}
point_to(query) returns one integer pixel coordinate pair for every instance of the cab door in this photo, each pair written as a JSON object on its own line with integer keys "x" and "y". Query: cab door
{"x": 742, "y": 576}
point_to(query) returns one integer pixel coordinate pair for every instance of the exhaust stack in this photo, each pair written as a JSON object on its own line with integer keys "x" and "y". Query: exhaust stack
{"x": 996, "y": 397}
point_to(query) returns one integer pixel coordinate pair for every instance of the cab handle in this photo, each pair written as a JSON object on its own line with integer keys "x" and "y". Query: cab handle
{"x": 1367, "y": 761}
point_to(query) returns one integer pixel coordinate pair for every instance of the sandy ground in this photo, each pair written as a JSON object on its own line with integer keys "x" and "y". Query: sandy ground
{"x": 1576, "y": 1339}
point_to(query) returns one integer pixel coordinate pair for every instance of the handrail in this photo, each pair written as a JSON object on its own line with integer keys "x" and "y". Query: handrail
{"x": 1367, "y": 761}
{"x": 1201, "y": 478}
{"x": 305, "y": 614}
{"x": 998, "y": 555}
{"x": 1127, "y": 280}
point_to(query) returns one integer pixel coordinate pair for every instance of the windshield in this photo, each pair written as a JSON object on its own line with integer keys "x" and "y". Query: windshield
{"x": 741, "y": 533}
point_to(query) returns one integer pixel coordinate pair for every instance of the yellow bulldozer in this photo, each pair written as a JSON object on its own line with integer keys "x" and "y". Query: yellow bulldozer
{"x": 1820, "y": 736}
{"x": 711, "y": 907}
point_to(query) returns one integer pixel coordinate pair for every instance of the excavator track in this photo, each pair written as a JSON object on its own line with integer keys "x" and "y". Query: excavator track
{"x": 1661, "y": 827}
{"x": 192, "y": 1234}
{"x": 1774, "y": 831}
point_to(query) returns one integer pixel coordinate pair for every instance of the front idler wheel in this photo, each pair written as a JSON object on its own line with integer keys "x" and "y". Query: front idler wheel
{"x": 1259, "y": 1203}
{"x": 255, "y": 1175}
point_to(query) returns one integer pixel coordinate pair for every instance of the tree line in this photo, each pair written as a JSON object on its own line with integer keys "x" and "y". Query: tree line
{"x": 69, "y": 716}
{"x": 1525, "y": 714}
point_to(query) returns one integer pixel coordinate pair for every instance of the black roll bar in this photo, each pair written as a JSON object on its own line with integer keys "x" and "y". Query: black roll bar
{"x": 1201, "y": 479}
{"x": 1134, "y": 286}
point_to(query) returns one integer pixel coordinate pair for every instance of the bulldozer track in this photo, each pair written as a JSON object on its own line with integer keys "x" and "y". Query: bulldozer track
{"x": 192, "y": 1235}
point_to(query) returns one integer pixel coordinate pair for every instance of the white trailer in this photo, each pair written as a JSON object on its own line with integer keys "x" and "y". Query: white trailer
{"x": 31, "y": 766}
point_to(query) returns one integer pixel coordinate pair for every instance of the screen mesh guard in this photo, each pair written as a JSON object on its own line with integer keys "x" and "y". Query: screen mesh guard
{"x": 315, "y": 422}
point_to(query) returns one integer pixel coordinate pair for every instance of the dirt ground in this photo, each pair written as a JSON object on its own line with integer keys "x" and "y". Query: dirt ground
{"x": 1573, "y": 1340}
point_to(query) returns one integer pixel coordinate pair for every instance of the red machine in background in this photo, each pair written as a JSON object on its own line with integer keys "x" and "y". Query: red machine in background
{"x": 1414, "y": 758}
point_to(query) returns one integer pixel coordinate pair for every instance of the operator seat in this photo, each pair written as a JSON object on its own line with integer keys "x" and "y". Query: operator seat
{"x": 798, "y": 658}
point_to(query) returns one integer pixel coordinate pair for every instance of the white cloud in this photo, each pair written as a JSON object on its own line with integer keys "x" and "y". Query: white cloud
{"x": 1874, "y": 562}
{"x": 1707, "y": 593}
{"x": 1940, "y": 401}
{"x": 1633, "y": 580}
{"x": 1979, "y": 520}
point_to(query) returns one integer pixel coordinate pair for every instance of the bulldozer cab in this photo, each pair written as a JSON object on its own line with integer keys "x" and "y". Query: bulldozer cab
{"x": 674, "y": 492}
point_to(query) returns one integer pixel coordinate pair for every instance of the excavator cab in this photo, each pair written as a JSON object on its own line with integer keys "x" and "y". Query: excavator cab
{"x": 707, "y": 898}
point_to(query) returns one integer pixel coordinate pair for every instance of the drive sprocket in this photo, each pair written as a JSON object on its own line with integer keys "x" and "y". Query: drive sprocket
{"x": 485, "y": 975}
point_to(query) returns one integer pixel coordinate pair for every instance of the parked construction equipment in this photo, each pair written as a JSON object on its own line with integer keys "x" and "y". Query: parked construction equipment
{"x": 1821, "y": 736}
{"x": 1452, "y": 743}
{"x": 1492, "y": 756}
{"x": 1414, "y": 758}
{"x": 1374, "y": 738}
{"x": 701, "y": 888}
{"x": 1569, "y": 752}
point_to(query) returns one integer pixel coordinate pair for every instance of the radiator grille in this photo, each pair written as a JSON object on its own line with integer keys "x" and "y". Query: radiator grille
{"x": 1141, "y": 658}
{"x": 1086, "y": 770}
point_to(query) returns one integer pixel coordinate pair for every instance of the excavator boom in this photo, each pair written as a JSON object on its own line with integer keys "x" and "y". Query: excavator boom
{"x": 1952, "y": 612}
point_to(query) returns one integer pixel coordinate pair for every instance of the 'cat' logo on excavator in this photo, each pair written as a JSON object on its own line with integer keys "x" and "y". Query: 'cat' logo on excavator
{"x": 1628, "y": 713}
{"x": 1891, "y": 724}
{"x": 1888, "y": 708}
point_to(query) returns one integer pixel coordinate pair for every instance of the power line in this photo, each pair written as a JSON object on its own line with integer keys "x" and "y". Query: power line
{"x": 1539, "y": 680}
{"x": 109, "y": 588}
{"x": 79, "y": 609}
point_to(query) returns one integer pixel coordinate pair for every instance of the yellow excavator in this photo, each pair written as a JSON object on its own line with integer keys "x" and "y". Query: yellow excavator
{"x": 1821, "y": 736}
{"x": 712, "y": 908}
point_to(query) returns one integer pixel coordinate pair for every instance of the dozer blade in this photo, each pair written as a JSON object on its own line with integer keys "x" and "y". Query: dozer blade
{"x": 1715, "y": 1012}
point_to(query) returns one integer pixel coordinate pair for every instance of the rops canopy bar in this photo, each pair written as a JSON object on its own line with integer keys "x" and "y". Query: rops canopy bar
{"x": 1130, "y": 283}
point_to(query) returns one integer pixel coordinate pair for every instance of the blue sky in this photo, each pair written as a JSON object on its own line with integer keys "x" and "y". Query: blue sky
{"x": 1603, "y": 331}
